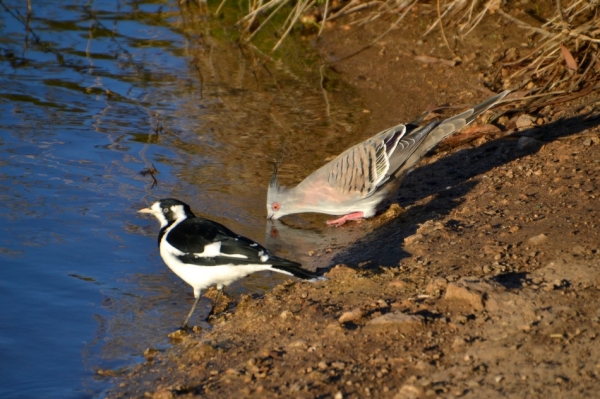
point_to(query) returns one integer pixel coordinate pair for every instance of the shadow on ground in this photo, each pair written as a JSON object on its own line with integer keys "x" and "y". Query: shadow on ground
{"x": 448, "y": 180}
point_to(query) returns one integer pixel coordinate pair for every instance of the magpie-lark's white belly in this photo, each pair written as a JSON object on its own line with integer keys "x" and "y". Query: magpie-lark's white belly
{"x": 200, "y": 277}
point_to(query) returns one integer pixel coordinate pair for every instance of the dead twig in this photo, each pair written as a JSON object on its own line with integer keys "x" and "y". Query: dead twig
{"x": 442, "y": 29}
{"x": 324, "y": 17}
{"x": 301, "y": 7}
{"x": 152, "y": 171}
{"x": 522, "y": 24}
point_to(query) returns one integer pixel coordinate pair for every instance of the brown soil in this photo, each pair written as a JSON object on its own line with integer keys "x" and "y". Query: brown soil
{"x": 484, "y": 285}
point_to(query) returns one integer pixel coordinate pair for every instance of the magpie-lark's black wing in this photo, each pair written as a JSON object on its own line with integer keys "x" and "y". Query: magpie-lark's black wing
{"x": 206, "y": 243}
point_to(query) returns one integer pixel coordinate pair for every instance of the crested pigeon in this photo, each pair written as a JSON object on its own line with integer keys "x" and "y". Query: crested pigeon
{"x": 355, "y": 182}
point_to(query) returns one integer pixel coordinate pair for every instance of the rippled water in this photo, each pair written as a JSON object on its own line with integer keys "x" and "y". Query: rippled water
{"x": 91, "y": 95}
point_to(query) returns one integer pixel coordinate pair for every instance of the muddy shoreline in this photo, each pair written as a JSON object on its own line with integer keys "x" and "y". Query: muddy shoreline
{"x": 481, "y": 282}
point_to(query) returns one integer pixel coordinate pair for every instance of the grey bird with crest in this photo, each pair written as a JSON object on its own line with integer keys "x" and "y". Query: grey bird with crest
{"x": 356, "y": 181}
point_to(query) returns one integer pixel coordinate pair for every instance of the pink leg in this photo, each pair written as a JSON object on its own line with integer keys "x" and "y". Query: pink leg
{"x": 344, "y": 219}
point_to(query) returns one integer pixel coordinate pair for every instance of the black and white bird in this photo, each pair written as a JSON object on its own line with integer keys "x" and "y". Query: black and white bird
{"x": 202, "y": 252}
{"x": 354, "y": 183}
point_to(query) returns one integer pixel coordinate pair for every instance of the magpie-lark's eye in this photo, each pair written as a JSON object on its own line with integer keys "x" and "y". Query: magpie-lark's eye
{"x": 165, "y": 210}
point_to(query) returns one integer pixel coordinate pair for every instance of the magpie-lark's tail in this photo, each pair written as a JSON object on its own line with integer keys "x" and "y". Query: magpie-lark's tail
{"x": 295, "y": 270}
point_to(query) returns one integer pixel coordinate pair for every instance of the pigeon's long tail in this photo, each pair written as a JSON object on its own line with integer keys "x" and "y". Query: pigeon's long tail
{"x": 297, "y": 271}
{"x": 449, "y": 126}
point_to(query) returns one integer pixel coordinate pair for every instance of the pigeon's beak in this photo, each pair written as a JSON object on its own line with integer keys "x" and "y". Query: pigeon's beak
{"x": 145, "y": 210}
{"x": 270, "y": 216}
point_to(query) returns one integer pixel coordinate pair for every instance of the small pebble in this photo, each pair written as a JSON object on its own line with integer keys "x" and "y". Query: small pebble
{"x": 473, "y": 384}
{"x": 549, "y": 287}
{"x": 285, "y": 314}
{"x": 353, "y": 315}
{"x": 525, "y": 121}
{"x": 527, "y": 143}
{"x": 458, "y": 343}
{"x": 338, "y": 365}
{"x": 539, "y": 239}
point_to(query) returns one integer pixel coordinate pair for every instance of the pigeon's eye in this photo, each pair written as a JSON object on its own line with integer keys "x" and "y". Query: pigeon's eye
{"x": 276, "y": 206}
{"x": 165, "y": 210}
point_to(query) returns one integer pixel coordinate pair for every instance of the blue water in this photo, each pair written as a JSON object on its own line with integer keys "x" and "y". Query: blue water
{"x": 91, "y": 95}
{"x": 69, "y": 185}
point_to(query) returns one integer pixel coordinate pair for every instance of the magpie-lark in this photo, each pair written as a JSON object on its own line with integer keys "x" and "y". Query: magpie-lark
{"x": 203, "y": 252}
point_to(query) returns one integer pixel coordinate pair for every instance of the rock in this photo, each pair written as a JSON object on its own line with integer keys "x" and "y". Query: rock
{"x": 473, "y": 384}
{"x": 437, "y": 284}
{"x": 393, "y": 212}
{"x": 459, "y": 344}
{"x": 340, "y": 270}
{"x": 429, "y": 226}
{"x": 178, "y": 335}
{"x": 302, "y": 344}
{"x": 588, "y": 142}
{"x": 525, "y": 121}
{"x": 528, "y": 143}
{"x": 413, "y": 239}
{"x": 398, "y": 284}
{"x": 470, "y": 290}
{"x": 333, "y": 328}
{"x": 150, "y": 353}
{"x": 161, "y": 394}
{"x": 409, "y": 391}
{"x": 338, "y": 365}
{"x": 398, "y": 321}
{"x": 353, "y": 315}
{"x": 549, "y": 287}
{"x": 539, "y": 239}
{"x": 423, "y": 365}
{"x": 286, "y": 314}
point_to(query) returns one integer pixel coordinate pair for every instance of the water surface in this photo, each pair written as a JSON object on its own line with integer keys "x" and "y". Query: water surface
{"x": 92, "y": 96}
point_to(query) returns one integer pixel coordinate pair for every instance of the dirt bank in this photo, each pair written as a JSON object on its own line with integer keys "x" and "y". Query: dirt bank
{"x": 484, "y": 285}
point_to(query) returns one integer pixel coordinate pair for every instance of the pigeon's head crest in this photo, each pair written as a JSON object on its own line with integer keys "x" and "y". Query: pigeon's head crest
{"x": 275, "y": 197}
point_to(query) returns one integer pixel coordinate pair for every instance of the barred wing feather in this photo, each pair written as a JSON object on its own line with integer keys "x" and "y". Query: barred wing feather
{"x": 364, "y": 167}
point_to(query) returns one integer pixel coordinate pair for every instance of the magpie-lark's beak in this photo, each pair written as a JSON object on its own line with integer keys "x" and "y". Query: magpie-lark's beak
{"x": 145, "y": 210}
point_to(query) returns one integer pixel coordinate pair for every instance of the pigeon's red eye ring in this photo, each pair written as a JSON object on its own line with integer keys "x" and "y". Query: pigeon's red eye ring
{"x": 275, "y": 206}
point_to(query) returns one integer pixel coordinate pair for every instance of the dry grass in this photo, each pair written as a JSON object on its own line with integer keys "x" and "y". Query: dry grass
{"x": 564, "y": 58}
